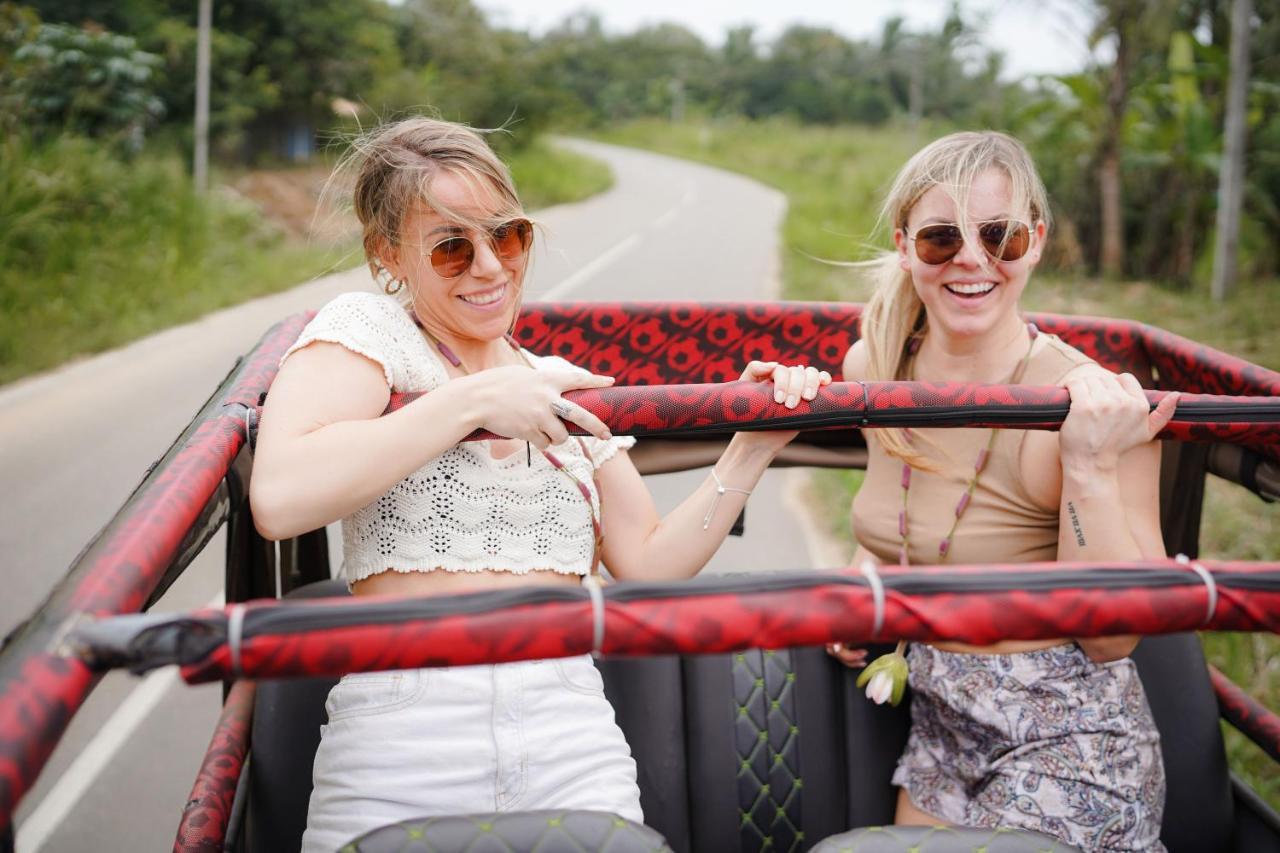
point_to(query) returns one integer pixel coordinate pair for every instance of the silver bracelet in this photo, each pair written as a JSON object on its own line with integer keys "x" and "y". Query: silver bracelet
{"x": 721, "y": 489}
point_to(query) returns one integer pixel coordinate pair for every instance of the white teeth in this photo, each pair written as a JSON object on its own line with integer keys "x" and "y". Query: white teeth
{"x": 971, "y": 289}
{"x": 483, "y": 298}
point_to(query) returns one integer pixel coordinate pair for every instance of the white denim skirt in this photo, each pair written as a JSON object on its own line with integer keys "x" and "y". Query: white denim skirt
{"x": 461, "y": 740}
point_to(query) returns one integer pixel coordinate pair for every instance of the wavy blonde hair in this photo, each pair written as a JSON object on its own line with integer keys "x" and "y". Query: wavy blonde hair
{"x": 894, "y": 315}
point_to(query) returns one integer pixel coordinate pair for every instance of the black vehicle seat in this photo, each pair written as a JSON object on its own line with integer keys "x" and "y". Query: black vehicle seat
{"x": 762, "y": 749}
{"x": 283, "y": 738}
{"x": 749, "y": 751}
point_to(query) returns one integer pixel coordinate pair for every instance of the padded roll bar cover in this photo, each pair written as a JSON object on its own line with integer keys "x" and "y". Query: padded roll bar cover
{"x": 287, "y": 717}
{"x": 1198, "y": 810}
{"x": 514, "y": 832}
{"x": 940, "y": 839}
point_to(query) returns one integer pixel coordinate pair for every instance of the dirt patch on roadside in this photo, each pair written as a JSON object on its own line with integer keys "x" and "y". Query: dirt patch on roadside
{"x": 299, "y": 202}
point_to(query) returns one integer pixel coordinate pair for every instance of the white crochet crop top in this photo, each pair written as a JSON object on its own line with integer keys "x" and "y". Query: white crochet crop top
{"x": 463, "y": 511}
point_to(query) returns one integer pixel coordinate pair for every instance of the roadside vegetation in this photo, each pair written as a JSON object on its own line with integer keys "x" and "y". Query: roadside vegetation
{"x": 835, "y": 178}
{"x": 105, "y": 238}
{"x": 99, "y": 249}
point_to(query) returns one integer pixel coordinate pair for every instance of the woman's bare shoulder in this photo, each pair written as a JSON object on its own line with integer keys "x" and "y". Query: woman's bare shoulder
{"x": 855, "y": 362}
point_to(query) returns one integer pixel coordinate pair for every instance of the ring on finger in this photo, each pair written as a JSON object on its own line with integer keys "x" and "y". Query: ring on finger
{"x": 562, "y": 408}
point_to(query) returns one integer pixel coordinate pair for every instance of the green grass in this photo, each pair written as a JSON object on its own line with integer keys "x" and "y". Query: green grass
{"x": 97, "y": 251}
{"x": 835, "y": 179}
{"x": 546, "y": 175}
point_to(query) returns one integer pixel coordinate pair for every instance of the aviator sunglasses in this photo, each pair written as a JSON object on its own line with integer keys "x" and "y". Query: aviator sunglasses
{"x": 453, "y": 256}
{"x": 1003, "y": 239}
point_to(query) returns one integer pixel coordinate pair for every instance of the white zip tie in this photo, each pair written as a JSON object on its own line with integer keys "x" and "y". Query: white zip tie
{"x": 250, "y": 421}
{"x": 868, "y": 569}
{"x": 1210, "y": 584}
{"x": 592, "y": 583}
{"x": 235, "y": 633}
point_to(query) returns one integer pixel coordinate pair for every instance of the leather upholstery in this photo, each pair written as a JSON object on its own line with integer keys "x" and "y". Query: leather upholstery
{"x": 513, "y": 832}
{"x": 940, "y": 839}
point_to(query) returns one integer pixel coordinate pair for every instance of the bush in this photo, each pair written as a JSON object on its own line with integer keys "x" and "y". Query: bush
{"x": 97, "y": 250}
{"x": 85, "y": 82}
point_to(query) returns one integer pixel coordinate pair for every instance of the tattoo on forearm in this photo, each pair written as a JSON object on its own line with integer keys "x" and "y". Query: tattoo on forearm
{"x": 1075, "y": 523}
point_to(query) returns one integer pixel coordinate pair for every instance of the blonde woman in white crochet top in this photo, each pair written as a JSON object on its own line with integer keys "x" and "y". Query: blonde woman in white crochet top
{"x": 425, "y": 513}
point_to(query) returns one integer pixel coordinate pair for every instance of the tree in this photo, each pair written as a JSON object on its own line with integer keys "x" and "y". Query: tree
{"x": 1231, "y": 186}
{"x": 1132, "y": 28}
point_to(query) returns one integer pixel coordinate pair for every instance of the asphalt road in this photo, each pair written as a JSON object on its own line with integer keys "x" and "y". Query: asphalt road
{"x": 74, "y": 443}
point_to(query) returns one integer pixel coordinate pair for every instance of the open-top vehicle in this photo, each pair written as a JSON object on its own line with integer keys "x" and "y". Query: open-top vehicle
{"x": 747, "y": 735}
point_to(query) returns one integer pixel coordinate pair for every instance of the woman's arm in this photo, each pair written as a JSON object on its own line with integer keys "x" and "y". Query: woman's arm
{"x": 639, "y": 545}
{"x": 324, "y": 450}
{"x": 1109, "y": 507}
{"x": 853, "y": 656}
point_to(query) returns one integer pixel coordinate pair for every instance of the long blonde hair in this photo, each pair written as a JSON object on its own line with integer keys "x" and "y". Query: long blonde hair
{"x": 894, "y": 315}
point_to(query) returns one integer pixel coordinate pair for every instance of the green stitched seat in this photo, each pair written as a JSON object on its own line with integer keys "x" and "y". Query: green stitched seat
{"x": 940, "y": 839}
{"x": 513, "y": 832}
{"x": 766, "y": 735}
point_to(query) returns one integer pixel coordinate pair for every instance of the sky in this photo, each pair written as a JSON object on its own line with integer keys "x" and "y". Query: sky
{"x": 1036, "y": 36}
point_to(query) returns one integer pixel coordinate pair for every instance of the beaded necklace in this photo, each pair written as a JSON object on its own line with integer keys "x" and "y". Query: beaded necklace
{"x": 944, "y": 547}
{"x": 597, "y": 529}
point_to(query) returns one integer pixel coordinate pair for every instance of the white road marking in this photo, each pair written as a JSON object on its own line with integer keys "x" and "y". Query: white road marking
{"x": 47, "y": 817}
{"x": 616, "y": 251}
{"x": 604, "y": 259}
{"x": 689, "y": 197}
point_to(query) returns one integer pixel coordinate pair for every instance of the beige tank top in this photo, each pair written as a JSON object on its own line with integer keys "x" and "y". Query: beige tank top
{"x": 1003, "y": 523}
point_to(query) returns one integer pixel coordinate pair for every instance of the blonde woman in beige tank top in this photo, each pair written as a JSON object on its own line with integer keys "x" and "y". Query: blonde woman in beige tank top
{"x": 970, "y": 221}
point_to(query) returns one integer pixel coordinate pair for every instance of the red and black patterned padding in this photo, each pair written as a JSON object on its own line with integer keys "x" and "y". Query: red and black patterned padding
{"x": 204, "y": 817}
{"x": 1246, "y": 714}
{"x": 40, "y": 690}
{"x": 664, "y": 410}
{"x": 677, "y": 343}
{"x": 972, "y": 604}
{"x": 674, "y": 343}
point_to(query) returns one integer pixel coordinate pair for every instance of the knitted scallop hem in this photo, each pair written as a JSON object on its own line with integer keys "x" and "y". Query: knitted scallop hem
{"x": 363, "y": 572}
{"x": 376, "y": 357}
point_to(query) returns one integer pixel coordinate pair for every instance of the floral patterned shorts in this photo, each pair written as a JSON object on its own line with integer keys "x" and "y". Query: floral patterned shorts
{"x": 1045, "y": 740}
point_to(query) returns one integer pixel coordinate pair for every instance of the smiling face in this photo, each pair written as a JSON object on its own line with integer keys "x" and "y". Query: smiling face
{"x": 972, "y": 294}
{"x": 479, "y": 305}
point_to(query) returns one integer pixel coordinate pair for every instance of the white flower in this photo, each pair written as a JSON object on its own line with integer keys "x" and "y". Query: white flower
{"x": 880, "y": 688}
{"x": 886, "y": 678}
